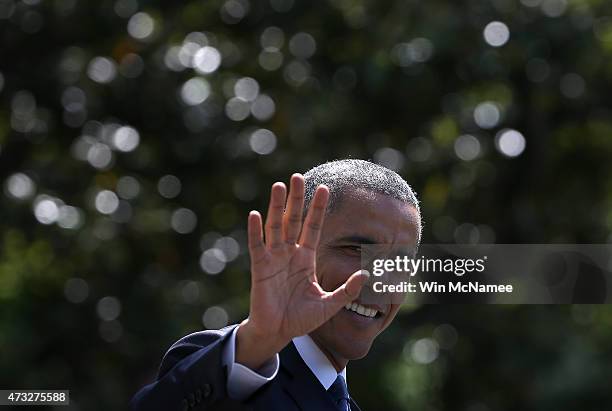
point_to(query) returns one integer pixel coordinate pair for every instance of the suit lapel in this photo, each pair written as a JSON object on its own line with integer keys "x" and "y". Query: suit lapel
{"x": 302, "y": 385}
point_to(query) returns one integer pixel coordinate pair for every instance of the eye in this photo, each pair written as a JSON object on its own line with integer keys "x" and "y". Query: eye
{"x": 354, "y": 249}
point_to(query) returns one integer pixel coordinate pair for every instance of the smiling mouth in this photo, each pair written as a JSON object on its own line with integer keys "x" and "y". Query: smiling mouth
{"x": 363, "y": 310}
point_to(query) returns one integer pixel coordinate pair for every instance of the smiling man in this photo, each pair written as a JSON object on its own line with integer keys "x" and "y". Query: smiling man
{"x": 308, "y": 317}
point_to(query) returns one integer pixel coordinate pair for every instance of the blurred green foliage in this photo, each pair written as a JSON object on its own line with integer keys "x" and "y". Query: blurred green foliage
{"x": 136, "y": 135}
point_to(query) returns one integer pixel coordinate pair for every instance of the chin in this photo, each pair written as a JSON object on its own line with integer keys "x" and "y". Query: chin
{"x": 346, "y": 348}
{"x": 357, "y": 355}
{"x": 353, "y": 350}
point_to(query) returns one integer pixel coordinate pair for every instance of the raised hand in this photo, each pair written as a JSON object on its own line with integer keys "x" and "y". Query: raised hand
{"x": 286, "y": 299}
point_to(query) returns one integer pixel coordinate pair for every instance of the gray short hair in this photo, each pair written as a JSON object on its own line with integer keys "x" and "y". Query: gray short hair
{"x": 342, "y": 176}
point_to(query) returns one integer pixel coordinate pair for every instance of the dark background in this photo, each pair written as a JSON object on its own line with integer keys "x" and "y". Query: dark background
{"x": 129, "y": 159}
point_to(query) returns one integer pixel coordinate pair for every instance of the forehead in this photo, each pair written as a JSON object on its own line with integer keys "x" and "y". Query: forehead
{"x": 374, "y": 217}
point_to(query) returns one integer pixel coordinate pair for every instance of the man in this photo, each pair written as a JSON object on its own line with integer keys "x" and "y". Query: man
{"x": 307, "y": 317}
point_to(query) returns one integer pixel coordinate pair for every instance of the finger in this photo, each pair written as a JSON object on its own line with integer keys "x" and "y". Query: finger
{"x": 311, "y": 232}
{"x": 255, "y": 237}
{"x": 274, "y": 219}
{"x": 292, "y": 220}
{"x": 350, "y": 290}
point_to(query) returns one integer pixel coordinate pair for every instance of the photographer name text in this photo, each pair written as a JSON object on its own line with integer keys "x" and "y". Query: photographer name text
{"x": 435, "y": 287}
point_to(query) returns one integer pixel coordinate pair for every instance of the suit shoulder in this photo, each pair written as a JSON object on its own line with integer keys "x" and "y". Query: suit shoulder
{"x": 204, "y": 338}
{"x": 191, "y": 343}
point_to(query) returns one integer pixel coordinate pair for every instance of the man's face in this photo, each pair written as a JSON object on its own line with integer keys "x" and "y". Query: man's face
{"x": 360, "y": 218}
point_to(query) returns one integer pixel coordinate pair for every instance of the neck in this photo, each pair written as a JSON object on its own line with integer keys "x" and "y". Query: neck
{"x": 338, "y": 363}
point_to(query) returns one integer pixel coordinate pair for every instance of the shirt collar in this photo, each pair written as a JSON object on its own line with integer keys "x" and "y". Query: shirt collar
{"x": 318, "y": 362}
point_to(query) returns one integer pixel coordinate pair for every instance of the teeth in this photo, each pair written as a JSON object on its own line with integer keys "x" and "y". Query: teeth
{"x": 360, "y": 309}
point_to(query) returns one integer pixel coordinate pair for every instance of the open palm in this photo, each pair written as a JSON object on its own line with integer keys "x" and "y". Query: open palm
{"x": 286, "y": 299}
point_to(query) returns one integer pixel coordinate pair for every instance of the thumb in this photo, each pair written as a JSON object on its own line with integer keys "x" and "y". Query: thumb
{"x": 351, "y": 288}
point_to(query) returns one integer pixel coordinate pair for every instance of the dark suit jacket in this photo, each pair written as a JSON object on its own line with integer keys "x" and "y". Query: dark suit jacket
{"x": 192, "y": 377}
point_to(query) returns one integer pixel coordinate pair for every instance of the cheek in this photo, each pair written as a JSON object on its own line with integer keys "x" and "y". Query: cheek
{"x": 333, "y": 271}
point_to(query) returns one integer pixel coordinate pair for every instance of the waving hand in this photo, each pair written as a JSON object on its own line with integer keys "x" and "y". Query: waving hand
{"x": 286, "y": 299}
